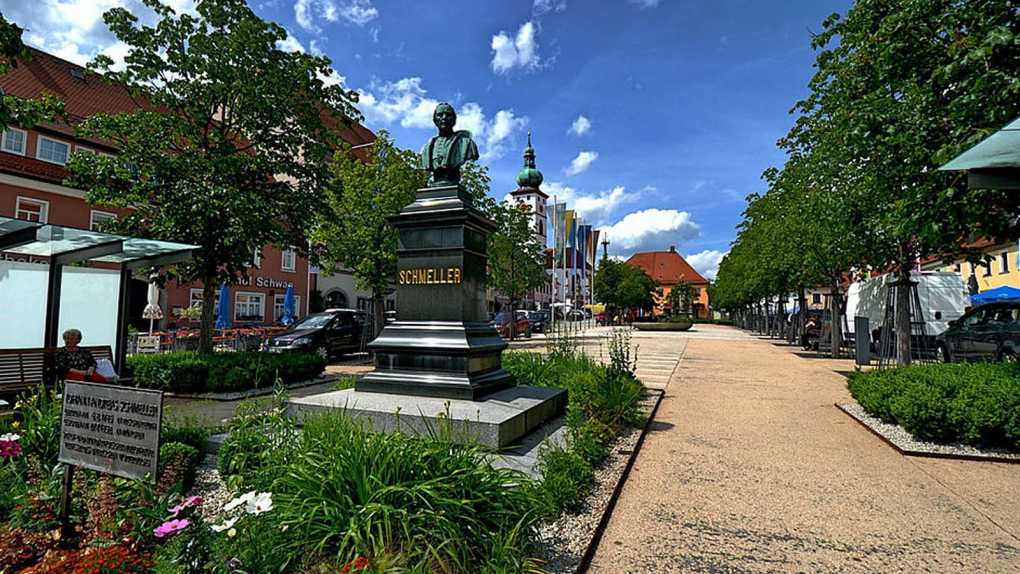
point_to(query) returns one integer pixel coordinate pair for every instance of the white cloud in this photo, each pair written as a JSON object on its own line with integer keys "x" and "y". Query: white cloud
{"x": 74, "y": 29}
{"x": 645, "y": 3}
{"x": 582, "y": 162}
{"x": 650, "y": 229}
{"x": 595, "y": 207}
{"x": 292, "y": 44}
{"x": 706, "y": 262}
{"x": 542, "y": 7}
{"x": 406, "y": 102}
{"x": 521, "y": 51}
{"x": 309, "y": 13}
{"x": 581, "y": 126}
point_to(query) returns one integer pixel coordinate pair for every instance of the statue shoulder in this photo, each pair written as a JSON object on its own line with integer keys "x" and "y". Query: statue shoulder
{"x": 470, "y": 147}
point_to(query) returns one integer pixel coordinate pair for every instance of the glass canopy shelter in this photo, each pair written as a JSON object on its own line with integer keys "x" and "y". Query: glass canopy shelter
{"x": 33, "y": 277}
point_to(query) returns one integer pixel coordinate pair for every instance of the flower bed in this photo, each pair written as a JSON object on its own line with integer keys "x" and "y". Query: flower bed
{"x": 189, "y": 372}
{"x": 976, "y": 404}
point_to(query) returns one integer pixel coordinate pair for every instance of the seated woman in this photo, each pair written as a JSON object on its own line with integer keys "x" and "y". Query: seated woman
{"x": 74, "y": 363}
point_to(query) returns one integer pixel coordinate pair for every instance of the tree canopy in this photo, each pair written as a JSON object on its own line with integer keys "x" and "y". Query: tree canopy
{"x": 231, "y": 146}
{"x": 15, "y": 111}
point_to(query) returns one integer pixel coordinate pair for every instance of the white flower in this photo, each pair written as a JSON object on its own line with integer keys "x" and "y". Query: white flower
{"x": 263, "y": 502}
{"x": 225, "y": 526}
{"x": 10, "y": 437}
{"x": 243, "y": 499}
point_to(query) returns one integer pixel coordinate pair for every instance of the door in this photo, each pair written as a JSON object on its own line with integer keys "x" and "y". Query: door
{"x": 978, "y": 331}
{"x": 342, "y": 333}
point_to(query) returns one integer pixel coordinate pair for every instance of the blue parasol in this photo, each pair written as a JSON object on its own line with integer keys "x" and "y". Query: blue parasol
{"x": 287, "y": 317}
{"x": 1004, "y": 293}
{"x": 223, "y": 308}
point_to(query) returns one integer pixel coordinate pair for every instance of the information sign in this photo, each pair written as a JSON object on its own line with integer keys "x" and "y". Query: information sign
{"x": 111, "y": 429}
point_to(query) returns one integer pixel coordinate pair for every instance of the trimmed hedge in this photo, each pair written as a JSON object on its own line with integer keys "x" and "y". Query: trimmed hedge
{"x": 972, "y": 403}
{"x": 190, "y": 372}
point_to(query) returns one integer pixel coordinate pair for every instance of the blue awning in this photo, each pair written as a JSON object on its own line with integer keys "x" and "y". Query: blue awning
{"x": 1004, "y": 293}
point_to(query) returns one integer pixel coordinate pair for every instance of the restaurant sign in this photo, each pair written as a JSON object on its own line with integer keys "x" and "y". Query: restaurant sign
{"x": 111, "y": 429}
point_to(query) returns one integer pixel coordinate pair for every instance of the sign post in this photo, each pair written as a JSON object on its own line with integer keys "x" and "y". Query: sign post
{"x": 109, "y": 429}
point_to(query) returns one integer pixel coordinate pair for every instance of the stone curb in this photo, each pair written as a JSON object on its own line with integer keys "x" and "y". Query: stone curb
{"x": 600, "y": 528}
{"x": 238, "y": 395}
{"x": 926, "y": 454}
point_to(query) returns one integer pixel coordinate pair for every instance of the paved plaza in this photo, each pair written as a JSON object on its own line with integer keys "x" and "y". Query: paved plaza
{"x": 749, "y": 467}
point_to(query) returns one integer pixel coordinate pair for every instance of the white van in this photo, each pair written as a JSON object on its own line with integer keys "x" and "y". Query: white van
{"x": 943, "y": 296}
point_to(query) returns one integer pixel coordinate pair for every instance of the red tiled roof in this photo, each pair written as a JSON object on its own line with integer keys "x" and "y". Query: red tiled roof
{"x": 85, "y": 94}
{"x": 666, "y": 267}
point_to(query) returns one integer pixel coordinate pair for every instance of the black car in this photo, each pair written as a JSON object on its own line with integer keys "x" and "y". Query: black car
{"x": 329, "y": 334}
{"x": 539, "y": 320}
{"x": 990, "y": 332}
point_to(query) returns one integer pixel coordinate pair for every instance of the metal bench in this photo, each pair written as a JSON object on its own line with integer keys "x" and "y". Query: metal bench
{"x": 23, "y": 369}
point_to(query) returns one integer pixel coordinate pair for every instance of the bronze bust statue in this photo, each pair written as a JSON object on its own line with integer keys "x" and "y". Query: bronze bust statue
{"x": 443, "y": 155}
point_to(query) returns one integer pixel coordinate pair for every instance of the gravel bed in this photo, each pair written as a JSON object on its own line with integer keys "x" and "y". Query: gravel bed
{"x": 563, "y": 542}
{"x": 906, "y": 442}
{"x": 210, "y": 487}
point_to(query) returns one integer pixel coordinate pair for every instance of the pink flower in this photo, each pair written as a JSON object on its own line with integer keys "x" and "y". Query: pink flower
{"x": 188, "y": 503}
{"x": 9, "y": 448}
{"x": 170, "y": 527}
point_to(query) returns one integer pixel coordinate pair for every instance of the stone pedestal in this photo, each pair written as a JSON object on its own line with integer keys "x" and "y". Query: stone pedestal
{"x": 441, "y": 344}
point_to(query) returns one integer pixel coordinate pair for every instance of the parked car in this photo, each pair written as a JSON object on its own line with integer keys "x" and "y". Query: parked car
{"x": 539, "y": 320}
{"x": 576, "y": 315}
{"x": 990, "y": 332}
{"x": 329, "y": 334}
{"x": 521, "y": 324}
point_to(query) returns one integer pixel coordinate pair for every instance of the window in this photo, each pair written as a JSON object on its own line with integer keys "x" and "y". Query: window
{"x": 959, "y": 268}
{"x": 336, "y": 299}
{"x": 288, "y": 260}
{"x": 98, "y": 218}
{"x": 256, "y": 257}
{"x": 816, "y": 298}
{"x": 195, "y": 298}
{"x": 988, "y": 266}
{"x": 52, "y": 151}
{"x": 278, "y": 306}
{"x": 14, "y": 141}
{"x": 32, "y": 209}
{"x": 1004, "y": 262}
{"x": 364, "y": 304}
{"x": 248, "y": 307}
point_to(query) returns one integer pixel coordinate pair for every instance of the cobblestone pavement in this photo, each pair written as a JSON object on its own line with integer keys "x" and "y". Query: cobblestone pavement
{"x": 749, "y": 468}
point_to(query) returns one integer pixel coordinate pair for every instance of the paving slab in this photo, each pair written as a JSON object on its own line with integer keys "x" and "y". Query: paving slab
{"x": 750, "y": 468}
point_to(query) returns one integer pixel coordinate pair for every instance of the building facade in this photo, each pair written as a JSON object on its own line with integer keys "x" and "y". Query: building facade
{"x": 998, "y": 265}
{"x": 32, "y": 170}
{"x": 669, "y": 269}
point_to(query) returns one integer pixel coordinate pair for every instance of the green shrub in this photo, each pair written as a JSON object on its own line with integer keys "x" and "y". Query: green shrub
{"x": 190, "y": 372}
{"x": 260, "y": 442}
{"x": 186, "y": 431}
{"x": 178, "y": 463}
{"x": 566, "y": 478}
{"x": 978, "y": 404}
{"x": 424, "y": 502}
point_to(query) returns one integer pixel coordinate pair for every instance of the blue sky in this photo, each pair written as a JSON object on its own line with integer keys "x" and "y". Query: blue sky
{"x": 654, "y": 118}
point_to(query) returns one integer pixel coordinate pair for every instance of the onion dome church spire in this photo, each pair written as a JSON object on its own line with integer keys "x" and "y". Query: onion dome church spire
{"x": 529, "y": 177}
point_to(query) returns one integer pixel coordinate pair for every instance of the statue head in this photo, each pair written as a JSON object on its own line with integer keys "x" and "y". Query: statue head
{"x": 445, "y": 118}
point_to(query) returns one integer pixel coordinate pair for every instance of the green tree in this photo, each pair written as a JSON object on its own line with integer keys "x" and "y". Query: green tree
{"x": 15, "y": 111}
{"x": 231, "y": 147}
{"x": 516, "y": 257}
{"x": 621, "y": 286}
{"x": 354, "y": 231}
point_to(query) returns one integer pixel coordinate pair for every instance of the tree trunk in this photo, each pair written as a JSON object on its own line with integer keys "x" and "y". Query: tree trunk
{"x": 208, "y": 313}
{"x": 837, "y": 320}
{"x": 378, "y": 312}
{"x": 802, "y": 310}
{"x": 902, "y": 319}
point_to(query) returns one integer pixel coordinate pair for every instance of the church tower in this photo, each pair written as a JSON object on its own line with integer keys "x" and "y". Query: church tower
{"x": 529, "y": 191}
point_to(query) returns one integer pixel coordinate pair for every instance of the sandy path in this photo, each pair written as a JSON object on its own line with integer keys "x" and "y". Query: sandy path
{"x": 750, "y": 468}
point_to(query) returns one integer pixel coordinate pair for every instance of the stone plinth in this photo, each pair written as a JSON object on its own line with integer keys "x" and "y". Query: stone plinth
{"x": 441, "y": 344}
{"x": 497, "y": 421}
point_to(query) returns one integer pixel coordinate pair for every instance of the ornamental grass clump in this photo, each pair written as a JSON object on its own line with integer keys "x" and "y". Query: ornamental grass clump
{"x": 418, "y": 503}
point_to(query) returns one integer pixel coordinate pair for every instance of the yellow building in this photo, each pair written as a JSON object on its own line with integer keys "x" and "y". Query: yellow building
{"x": 999, "y": 267}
